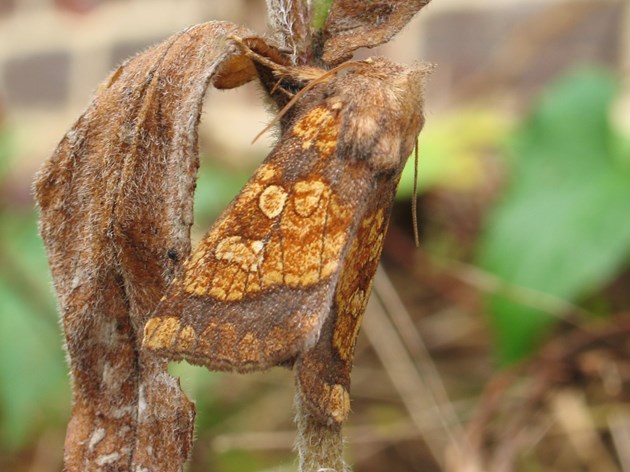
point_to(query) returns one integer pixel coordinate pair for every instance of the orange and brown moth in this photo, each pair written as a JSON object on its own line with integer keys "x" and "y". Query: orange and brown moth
{"x": 284, "y": 275}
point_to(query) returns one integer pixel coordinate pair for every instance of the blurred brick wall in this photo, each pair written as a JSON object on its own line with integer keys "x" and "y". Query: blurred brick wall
{"x": 53, "y": 53}
{"x": 523, "y": 45}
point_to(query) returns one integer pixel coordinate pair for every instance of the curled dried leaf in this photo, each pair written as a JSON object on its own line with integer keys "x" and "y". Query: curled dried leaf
{"x": 116, "y": 209}
{"x": 353, "y": 24}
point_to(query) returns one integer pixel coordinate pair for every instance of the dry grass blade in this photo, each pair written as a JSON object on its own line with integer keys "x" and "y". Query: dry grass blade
{"x": 400, "y": 367}
{"x": 573, "y": 416}
{"x": 449, "y": 421}
{"x": 619, "y": 425}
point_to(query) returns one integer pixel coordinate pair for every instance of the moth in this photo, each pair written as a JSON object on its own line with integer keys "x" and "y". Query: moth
{"x": 284, "y": 275}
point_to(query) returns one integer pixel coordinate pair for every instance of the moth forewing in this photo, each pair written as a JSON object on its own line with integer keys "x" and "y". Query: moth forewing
{"x": 258, "y": 287}
{"x": 286, "y": 271}
{"x": 323, "y": 372}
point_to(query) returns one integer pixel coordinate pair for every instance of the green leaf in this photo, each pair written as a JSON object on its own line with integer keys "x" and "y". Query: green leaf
{"x": 450, "y": 151}
{"x": 33, "y": 373}
{"x": 216, "y": 186}
{"x": 321, "y": 9}
{"x": 562, "y": 227}
{"x": 200, "y": 384}
{"x": 5, "y": 151}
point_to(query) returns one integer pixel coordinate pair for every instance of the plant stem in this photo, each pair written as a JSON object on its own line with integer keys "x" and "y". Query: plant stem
{"x": 320, "y": 446}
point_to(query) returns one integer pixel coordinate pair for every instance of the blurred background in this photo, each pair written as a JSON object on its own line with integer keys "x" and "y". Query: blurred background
{"x": 500, "y": 344}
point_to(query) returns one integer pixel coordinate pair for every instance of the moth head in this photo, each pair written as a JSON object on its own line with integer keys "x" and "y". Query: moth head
{"x": 382, "y": 114}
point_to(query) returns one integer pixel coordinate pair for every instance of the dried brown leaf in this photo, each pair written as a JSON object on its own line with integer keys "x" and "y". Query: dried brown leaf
{"x": 353, "y": 24}
{"x": 116, "y": 209}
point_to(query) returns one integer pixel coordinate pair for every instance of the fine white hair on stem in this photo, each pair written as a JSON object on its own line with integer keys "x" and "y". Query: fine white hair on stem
{"x": 287, "y": 21}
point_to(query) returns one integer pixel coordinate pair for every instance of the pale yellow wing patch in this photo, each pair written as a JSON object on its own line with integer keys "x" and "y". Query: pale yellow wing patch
{"x": 303, "y": 230}
{"x": 318, "y": 127}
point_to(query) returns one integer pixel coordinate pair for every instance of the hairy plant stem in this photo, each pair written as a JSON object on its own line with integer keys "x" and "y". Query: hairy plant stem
{"x": 319, "y": 446}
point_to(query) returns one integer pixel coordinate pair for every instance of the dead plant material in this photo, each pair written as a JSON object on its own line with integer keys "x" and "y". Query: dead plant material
{"x": 116, "y": 202}
{"x": 510, "y": 417}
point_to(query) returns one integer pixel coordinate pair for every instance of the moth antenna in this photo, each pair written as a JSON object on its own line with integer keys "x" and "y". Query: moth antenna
{"x": 414, "y": 198}
{"x": 277, "y": 86}
{"x": 308, "y": 86}
{"x": 274, "y": 66}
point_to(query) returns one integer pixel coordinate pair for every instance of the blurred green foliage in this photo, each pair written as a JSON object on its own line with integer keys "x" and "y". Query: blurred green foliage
{"x": 34, "y": 389}
{"x": 216, "y": 186}
{"x": 5, "y": 151}
{"x": 562, "y": 227}
{"x": 449, "y": 150}
{"x": 321, "y": 9}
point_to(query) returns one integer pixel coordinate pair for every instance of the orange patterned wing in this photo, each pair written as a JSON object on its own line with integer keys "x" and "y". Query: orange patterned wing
{"x": 258, "y": 287}
{"x": 323, "y": 372}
